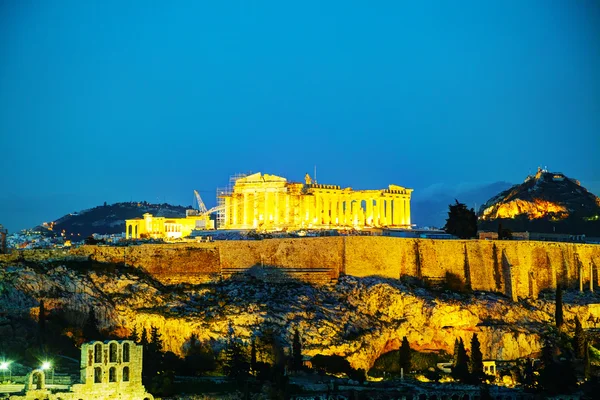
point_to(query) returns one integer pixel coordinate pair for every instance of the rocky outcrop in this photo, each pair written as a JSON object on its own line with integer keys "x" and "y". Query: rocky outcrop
{"x": 544, "y": 195}
{"x": 358, "y": 318}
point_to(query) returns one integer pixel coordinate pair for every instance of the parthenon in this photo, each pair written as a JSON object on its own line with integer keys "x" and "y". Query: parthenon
{"x": 270, "y": 202}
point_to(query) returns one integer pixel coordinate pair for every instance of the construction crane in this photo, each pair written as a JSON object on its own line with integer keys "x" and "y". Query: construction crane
{"x": 201, "y": 206}
{"x": 203, "y": 213}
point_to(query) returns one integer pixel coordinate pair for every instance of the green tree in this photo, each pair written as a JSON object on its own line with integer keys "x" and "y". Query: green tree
{"x": 455, "y": 354}
{"x": 587, "y": 367}
{"x": 558, "y": 310}
{"x": 199, "y": 357}
{"x": 144, "y": 338}
{"x": 153, "y": 356}
{"x": 296, "y": 352}
{"x": 156, "y": 343}
{"x": 579, "y": 342}
{"x": 405, "y": 356}
{"x": 134, "y": 335}
{"x": 460, "y": 371}
{"x": 236, "y": 366}
{"x": 528, "y": 374}
{"x": 476, "y": 359}
{"x": 461, "y": 222}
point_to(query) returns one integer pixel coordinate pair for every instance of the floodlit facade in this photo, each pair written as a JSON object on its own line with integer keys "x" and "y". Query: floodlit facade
{"x": 150, "y": 226}
{"x": 270, "y": 202}
{"x": 110, "y": 370}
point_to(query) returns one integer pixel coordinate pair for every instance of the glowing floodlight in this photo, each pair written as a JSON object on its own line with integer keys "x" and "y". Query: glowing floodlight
{"x": 46, "y": 365}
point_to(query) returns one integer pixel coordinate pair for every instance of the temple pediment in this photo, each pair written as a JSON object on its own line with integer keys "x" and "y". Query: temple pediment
{"x": 259, "y": 177}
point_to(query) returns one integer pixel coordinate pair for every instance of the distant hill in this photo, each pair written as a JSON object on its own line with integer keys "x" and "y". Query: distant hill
{"x": 109, "y": 219}
{"x": 544, "y": 202}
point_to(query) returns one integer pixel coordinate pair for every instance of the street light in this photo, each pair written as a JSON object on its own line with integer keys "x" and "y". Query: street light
{"x": 5, "y": 366}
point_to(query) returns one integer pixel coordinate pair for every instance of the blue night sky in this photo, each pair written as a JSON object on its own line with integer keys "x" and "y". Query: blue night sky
{"x": 118, "y": 101}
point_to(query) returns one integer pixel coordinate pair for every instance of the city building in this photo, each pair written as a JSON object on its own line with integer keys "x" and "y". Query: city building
{"x": 150, "y": 226}
{"x": 269, "y": 202}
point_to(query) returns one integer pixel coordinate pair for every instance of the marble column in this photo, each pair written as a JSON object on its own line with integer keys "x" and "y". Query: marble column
{"x": 388, "y": 211}
{"x": 246, "y": 209}
{"x": 326, "y": 208}
{"x": 396, "y": 212}
{"x": 318, "y": 209}
{"x": 369, "y": 214}
{"x": 407, "y": 211}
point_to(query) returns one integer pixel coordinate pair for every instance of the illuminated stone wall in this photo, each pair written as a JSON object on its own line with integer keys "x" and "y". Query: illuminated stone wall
{"x": 515, "y": 268}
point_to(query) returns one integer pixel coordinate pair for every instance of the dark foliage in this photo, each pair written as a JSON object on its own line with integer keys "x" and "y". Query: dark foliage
{"x": 296, "y": 352}
{"x": 556, "y": 377}
{"x": 236, "y": 365}
{"x": 460, "y": 371}
{"x": 404, "y": 356}
{"x": 579, "y": 341}
{"x": 462, "y": 221}
{"x": 476, "y": 362}
{"x": 558, "y": 312}
{"x": 199, "y": 358}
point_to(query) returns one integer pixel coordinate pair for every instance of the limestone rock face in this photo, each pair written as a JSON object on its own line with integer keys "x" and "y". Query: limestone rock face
{"x": 541, "y": 195}
{"x": 358, "y": 318}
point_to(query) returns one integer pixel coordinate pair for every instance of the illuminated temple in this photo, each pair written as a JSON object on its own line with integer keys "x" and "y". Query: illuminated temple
{"x": 270, "y": 202}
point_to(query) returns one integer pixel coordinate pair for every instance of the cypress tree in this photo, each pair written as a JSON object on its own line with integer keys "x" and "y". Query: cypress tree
{"x": 579, "y": 342}
{"x": 455, "y": 354}
{"x": 297, "y": 352}
{"x": 460, "y": 371}
{"x": 405, "y": 359}
{"x": 587, "y": 368}
{"x": 476, "y": 359}
{"x": 558, "y": 313}
{"x": 134, "y": 335}
{"x": 144, "y": 338}
{"x": 156, "y": 343}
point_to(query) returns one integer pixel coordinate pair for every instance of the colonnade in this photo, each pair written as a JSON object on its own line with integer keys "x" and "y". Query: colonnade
{"x": 318, "y": 209}
{"x": 131, "y": 230}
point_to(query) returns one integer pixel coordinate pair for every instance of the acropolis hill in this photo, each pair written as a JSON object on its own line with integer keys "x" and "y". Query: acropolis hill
{"x": 364, "y": 310}
{"x": 517, "y": 269}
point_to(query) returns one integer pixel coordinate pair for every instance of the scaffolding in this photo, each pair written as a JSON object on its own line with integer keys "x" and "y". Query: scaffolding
{"x": 221, "y": 194}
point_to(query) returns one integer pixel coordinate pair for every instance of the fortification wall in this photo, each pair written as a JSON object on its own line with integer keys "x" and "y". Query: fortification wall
{"x": 516, "y": 268}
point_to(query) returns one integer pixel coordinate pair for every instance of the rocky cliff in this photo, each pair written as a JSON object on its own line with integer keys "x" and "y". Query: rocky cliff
{"x": 546, "y": 202}
{"x": 358, "y": 318}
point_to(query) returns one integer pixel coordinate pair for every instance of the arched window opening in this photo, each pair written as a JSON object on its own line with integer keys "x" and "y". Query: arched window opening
{"x": 97, "y": 375}
{"x": 112, "y": 353}
{"x": 112, "y": 374}
{"x": 37, "y": 380}
{"x": 125, "y": 374}
{"x": 126, "y": 352}
{"x": 98, "y": 353}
